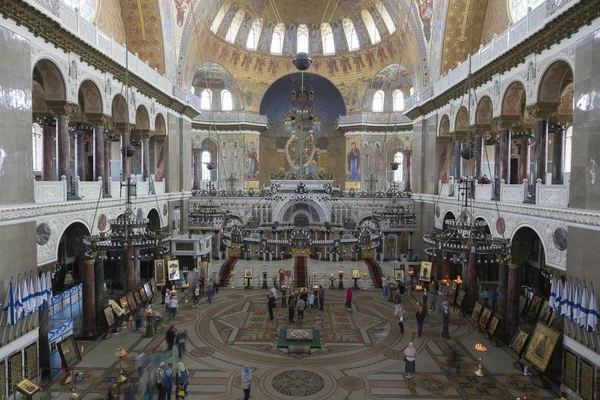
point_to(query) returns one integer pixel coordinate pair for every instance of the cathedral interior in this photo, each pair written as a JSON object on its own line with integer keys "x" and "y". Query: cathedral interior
{"x": 417, "y": 167}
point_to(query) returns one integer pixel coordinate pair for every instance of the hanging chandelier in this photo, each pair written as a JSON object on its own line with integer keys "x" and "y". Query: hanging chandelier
{"x": 397, "y": 214}
{"x": 207, "y": 214}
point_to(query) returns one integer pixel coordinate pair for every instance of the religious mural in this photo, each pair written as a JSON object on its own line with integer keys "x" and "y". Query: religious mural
{"x": 251, "y": 171}
{"x": 232, "y": 161}
{"x": 353, "y": 161}
{"x": 374, "y": 162}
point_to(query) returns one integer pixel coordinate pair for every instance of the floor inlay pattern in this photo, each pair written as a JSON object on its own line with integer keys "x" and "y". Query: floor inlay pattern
{"x": 298, "y": 383}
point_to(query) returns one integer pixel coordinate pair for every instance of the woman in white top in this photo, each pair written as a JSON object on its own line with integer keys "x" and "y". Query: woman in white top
{"x": 410, "y": 354}
{"x": 246, "y": 382}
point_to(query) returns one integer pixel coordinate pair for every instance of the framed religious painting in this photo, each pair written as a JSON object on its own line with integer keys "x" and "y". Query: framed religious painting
{"x": 585, "y": 377}
{"x": 522, "y": 304}
{"x": 552, "y": 318}
{"x": 519, "y": 340}
{"x": 399, "y": 274}
{"x": 425, "y": 272}
{"x": 484, "y": 319}
{"x": 494, "y": 322}
{"x": 69, "y": 352}
{"x": 148, "y": 289}
{"x": 570, "y": 370}
{"x": 355, "y": 274}
{"x": 248, "y": 273}
{"x": 534, "y": 307}
{"x": 131, "y": 301}
{"x": 15, "y": 370}
{"x": 541, "y": 346}
{"x": 544, "y": 314}
{"x": 124, "y": 304}
{"x": 173, "y": 270}
{"x": 136, "y": 296}
{"x": 143, "y": 294}
{"x": 27, "y": 387}
{"x": 108, "y": 315}
{"x": 477, "y": 309}
{"x": 31, "y": 361}
{"x": 153, "y": 284}
{"x": 116, "y": 308}
{"x": 461, "y": 297}
{"x": 159, "y": 272}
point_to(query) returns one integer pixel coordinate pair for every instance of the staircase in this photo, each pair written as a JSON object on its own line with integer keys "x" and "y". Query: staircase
{"x": 374, "y": 270}
{"x": 300, "y": 273}
{"x": 225, "y": 270}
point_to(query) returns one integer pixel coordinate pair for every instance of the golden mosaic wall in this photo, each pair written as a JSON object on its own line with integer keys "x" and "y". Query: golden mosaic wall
{"x": 110, "y": 20}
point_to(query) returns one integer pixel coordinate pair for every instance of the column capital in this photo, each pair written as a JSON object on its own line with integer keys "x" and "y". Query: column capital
{"x": 99, "y": 120}
{"x": 408, "y": 153}
{"x": 479, "y": 130}
{"x": 513, "y": 265}
{"x": 63, "y": 109}
{"x": 146, "y": 133}
{"x": 543, "y": 111}
{"x": 124, "y": 128}
{"x": 507, "y": 122}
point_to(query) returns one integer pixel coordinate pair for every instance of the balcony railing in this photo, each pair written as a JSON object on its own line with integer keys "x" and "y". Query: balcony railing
{"x": 231, "y": 118}
{"x": 373, "y": 119}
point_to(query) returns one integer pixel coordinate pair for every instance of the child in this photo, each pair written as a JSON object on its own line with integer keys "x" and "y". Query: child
{"x": 301, "y": 307}
{"x": 311, "y": 300}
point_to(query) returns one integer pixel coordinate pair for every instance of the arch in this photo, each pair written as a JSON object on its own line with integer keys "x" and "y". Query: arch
{"x": 235, "y": 25}
{"x": 302, "y": 35}
{"x": 461, "y": 124}
{"x": 327, "y": 38}
{"x": 254, "y": 34}
{"x": 385, "y": 15}
{"x": 51, "y": 79}
{"x": 485, "y": 111}
{"x": 378, "y": 101}
{"x": 277, "y": 38}
{"x": 206, "y": 99}
{"x": 160, "y": 128}
{"x": 142, "y": 120}
{"x": 79, "y": 225}
{"x": 154, "y": 220}
{"x": 120, "y": 111}
{"x": 484, "y": 219}
{"x": 447, "y": 216}
{"x": 398, "y": 100}
{"x": 445, "y": 125}
{"x": 520, "y": 238}
{"x": 350, "y": 33}
{"x": 371, "y": 27}
{"x": 92, "y": 97}
{"x": 288, "y": 210}
{"x": 513, "y": 101}
{"x": 554, "y": 80}
{"x": 216, "y": 22}
{"x": 226, "y": 100}
{"x": 368, "y": 220}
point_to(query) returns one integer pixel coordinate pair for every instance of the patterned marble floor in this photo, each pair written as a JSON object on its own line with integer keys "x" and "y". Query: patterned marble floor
{"x": 360, "y": 356}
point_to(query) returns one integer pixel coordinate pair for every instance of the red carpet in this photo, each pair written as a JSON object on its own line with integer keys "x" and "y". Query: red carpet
{"x": 301, "y": 280}
{"x": 226, "y": 269}
{"x": 375, "y": 271}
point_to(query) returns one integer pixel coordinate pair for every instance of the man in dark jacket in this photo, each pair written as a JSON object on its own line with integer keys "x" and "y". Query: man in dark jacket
{"x": 421, "y": 314}
{"x": 271, "y": 304}
{"x": 292, "y": 304}
{"x": 321, "y": 296}
{"x": 170, "y": 338}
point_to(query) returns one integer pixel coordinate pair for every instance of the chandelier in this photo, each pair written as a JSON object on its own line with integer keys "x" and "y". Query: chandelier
{"x": 207, "y": 214}
{"x": 466, "y": 235}
{"x": 397, "y": 214}
{"x": 127, "y": 231}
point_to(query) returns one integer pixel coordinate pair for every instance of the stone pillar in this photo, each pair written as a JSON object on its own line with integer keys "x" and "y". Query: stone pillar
{"x": 63, "y": 149}
{"x": 48, "y": 150}
{"x": 196, "y": 165}
{"x": 524, "y": 160}
{"x": 136, "y": 267}
{"x": 125, "y": 161}
{"x": 504, "y": 154}
{"x": 558, "y": 155}
{"x": 457, "y": 160}
{"x": 512, "y": 303}
{"x": 129, "y": 269}
{"x": 146, "y": 155}
{"x": 99, "y": 291}
{"x": 89, "y": 298}
{"x": 107, "y": 166}
{"x": 408, "y": 154}
{"x": 99, "y": 158}
{"x": 502, "y": 294}
{"x": 478, "y": 157}
{"x": 473, "y": 274}
{"x": 538, "y": 152}
{"x": 80, "y": 155}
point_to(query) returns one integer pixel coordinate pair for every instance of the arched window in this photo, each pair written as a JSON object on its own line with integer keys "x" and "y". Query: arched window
{"x": 36, "y": 146}
{"x": 350, "y": 32}
{"x": 399, "y": 158}
{"x": 371, "y": 28}
{"x": 398, "y": 98}
{"x": 206, "y": 99}
{"x": 327, "y": 36}
{"x": 568, "y": 149}
{"x": 302, "y": 39}
{"x": 219, "y": 17}
{"x": 235, "y": 26}
{"x": 254, "y": 34}
{"x": 204, "y": 160}
{"x": 378, "y": 101}
{"x": 277, "y": 40}
{"x": 226, "y": 100}
{"x": 385, "y": 15}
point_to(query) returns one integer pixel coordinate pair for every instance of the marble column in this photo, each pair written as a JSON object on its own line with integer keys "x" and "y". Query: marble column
{"x": 502, "y": 294}
{"x": 63, "y": 149}
{"x": 146, "y": 156}
{"x": 512, "y": 302}
{"x": 538, "y": 152}
{"x": 558, "y": 155}
{"x": 478, "y": 157}
{"x": 89, "y": 298}
{"x": 504, "y": 155}
{"x": 408, "y": 171}
{"x": 99, "y": 291}
{"x": 129, "y": 269}
{"x": 80, "y": 155}
{"x": 48, "y": 151}
{"x": 125, "y": 161}
{"x": 497, "y": 168}
{"x": 195, "y": 167}
{"x": 136, "y": 267}
{"x": 99, "y": 153}
{"x": 457, "y": 160}
{"x": 473, "y": 274}
{"x": 107, "y": 166}
{"x": 524, "y": 160}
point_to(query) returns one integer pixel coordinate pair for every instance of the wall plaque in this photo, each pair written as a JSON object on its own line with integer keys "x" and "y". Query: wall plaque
{"x": 31, "y": 361}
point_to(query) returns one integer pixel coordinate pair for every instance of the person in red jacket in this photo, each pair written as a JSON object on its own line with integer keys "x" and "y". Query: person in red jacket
{"x": 349, "y": 299}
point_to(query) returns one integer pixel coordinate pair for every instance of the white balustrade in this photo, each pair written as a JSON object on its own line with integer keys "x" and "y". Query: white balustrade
{"x": 46, "y": 192}
{"x": 555, "y": 196}
{"x": 159, "y": 187}
{"x": 142, "y": 188}
{"x": 513, "y": 193}
{"x": 444, "y": 188}
{"x": 88, "y": 191}
{"x": 484, "y": 192}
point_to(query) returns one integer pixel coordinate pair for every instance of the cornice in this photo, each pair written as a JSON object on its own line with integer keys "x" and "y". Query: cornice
{"x": 40, "y": 25}
{"x": 563, "y": 27}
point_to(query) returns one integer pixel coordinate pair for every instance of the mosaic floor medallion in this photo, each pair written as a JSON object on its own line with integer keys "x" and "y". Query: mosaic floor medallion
{"x": 298, "y": 383}
{"x": 351, "y": 383}
{"x": 202, "y": 352}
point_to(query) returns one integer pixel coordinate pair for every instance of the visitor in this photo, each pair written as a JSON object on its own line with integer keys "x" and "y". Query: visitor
{"x": 246, "y": 382}
{"x": 304, "y": 295}
{"x": 168, "y": 382}
{"x": 421, "y": 314}
{"x": 433, "y": 294}
{"x": 401, "y": 288}
{"x": 201, "y": 284}
{"x": 181, "y": 339}
{"x": 321, "y": 297}
{"x": 160, "y": 378}
{"x": 385, "y": 283}
{"x": 301, "y": 307}
{"x": 215, "y": 286}
{"x": 210, "y": 292}
{"x": 292, "y": 304}
{"x": 170, "y": 338}
{"x": 494, "y": 298}
{"x": 281, "y": 277}
{"x": 182, "y": 380}
{"x": 163, "y": 291}
{"x": 270, "y": 304}
{"x": 397, "y": 298}
{"x": 167, "y": 302}
{"x": 196, "y": 296}
{"x": 349, "y": 299}
{"x": 400, "y": 316}
{"x": 147, "y": 382}
{"x": 173, "y": 304}
{"x": 138, "y": 318}
{"x": 410, "y": 355}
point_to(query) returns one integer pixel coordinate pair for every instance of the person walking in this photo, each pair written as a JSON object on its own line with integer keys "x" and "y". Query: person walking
{"x": 163, "y": 291}
{"x": 138, "y": 318}
{"x": 210, "y": 292}
{"x": 168, "y": 382}
{"x": 147, "y": 382}
{"x": 349, "y": 299}
{"x": 421, "y": 314}
{"x": 270, "y": 304}
{"x": 281, "y": 277}
{"x": 301, "y": 308}
{"x": 246, "y": 382}
{"x": 173, "y": 305}
{"x": 385, "y": 284}
{"x": 170, "y": 338}
{"x": 160, "y": 379}
{"x": 292, "y": 304}
{"x": 196, "y": 295}
{"x": 433, "y": 294}
{"x": 181, "y": 339}
{"x": 400, "y": 316}
{"x": 410, "y": 356}
{"x": 181, "y": 380}
{"x": 321, "y": 297}
{"x": 397, "y": 298}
